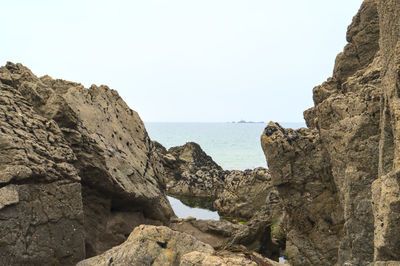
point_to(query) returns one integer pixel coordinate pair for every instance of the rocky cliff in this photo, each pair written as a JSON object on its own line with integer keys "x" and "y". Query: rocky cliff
{"x": 338, "y": 179}
{"x": 77, "y": 171}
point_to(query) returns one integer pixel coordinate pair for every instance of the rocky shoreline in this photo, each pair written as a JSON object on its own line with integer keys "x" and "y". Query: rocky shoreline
{"x": 81, "y": 179}
{"x": 81, "y": 182}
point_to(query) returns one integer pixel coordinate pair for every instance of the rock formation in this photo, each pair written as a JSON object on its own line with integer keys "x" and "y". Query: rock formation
{"x": 338, "y": 179}
{"x": 159, "y": 245}
{"x": 194, "y": 177}
{"x": 246, "y": 196}
{"x": 77, "y": 172}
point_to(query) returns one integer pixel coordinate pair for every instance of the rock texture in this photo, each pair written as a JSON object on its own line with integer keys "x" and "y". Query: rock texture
{"x": 159, "y": 245}
{"x": 77, "y": 171}
{"x": 338, "y": 179}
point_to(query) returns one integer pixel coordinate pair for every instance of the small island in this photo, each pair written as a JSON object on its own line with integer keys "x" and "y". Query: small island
{"x": 248, "y": 122}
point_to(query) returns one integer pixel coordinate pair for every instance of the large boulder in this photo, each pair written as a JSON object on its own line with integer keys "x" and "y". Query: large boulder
{"x": 77, "y": 172}
{"x": 338, "y": 179}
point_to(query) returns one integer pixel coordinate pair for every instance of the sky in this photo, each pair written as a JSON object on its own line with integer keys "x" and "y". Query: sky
{"x": 185, "y": 60}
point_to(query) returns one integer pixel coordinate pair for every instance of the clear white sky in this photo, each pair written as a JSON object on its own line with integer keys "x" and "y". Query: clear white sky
{"x": 185, "y": 60}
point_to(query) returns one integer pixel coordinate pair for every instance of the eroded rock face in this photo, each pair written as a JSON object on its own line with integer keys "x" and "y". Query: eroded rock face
{"x": 338, "y": 178}
{"x": 77, "y": 171}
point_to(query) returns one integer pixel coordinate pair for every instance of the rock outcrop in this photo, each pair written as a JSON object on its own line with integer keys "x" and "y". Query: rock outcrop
{"x": 338, "y": 179}
{"x": 159, "y": 245}
{"x": 77, "y": 171}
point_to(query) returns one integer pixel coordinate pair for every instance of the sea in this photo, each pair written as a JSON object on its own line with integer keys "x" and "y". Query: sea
{"x": 234, "y": 146}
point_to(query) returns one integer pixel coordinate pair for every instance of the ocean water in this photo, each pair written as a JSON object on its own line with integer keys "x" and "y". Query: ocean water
{"x": 231, "y": 145}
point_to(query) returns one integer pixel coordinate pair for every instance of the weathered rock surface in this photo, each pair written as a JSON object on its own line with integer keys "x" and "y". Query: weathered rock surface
{"x": 338, "y": 179}
{"x": 41, "y": 217}
{"x": 247, "y": 192}
{"x": 159, "y": 245}
{"x": 77, "y": 171}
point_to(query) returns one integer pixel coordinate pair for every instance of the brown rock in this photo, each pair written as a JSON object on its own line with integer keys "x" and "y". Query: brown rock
{"x": 77, "y": 171}
{"x": 338, "y": 180}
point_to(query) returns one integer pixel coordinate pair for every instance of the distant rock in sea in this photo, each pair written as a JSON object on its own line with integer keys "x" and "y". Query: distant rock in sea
{"x": 248, "y": 122}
